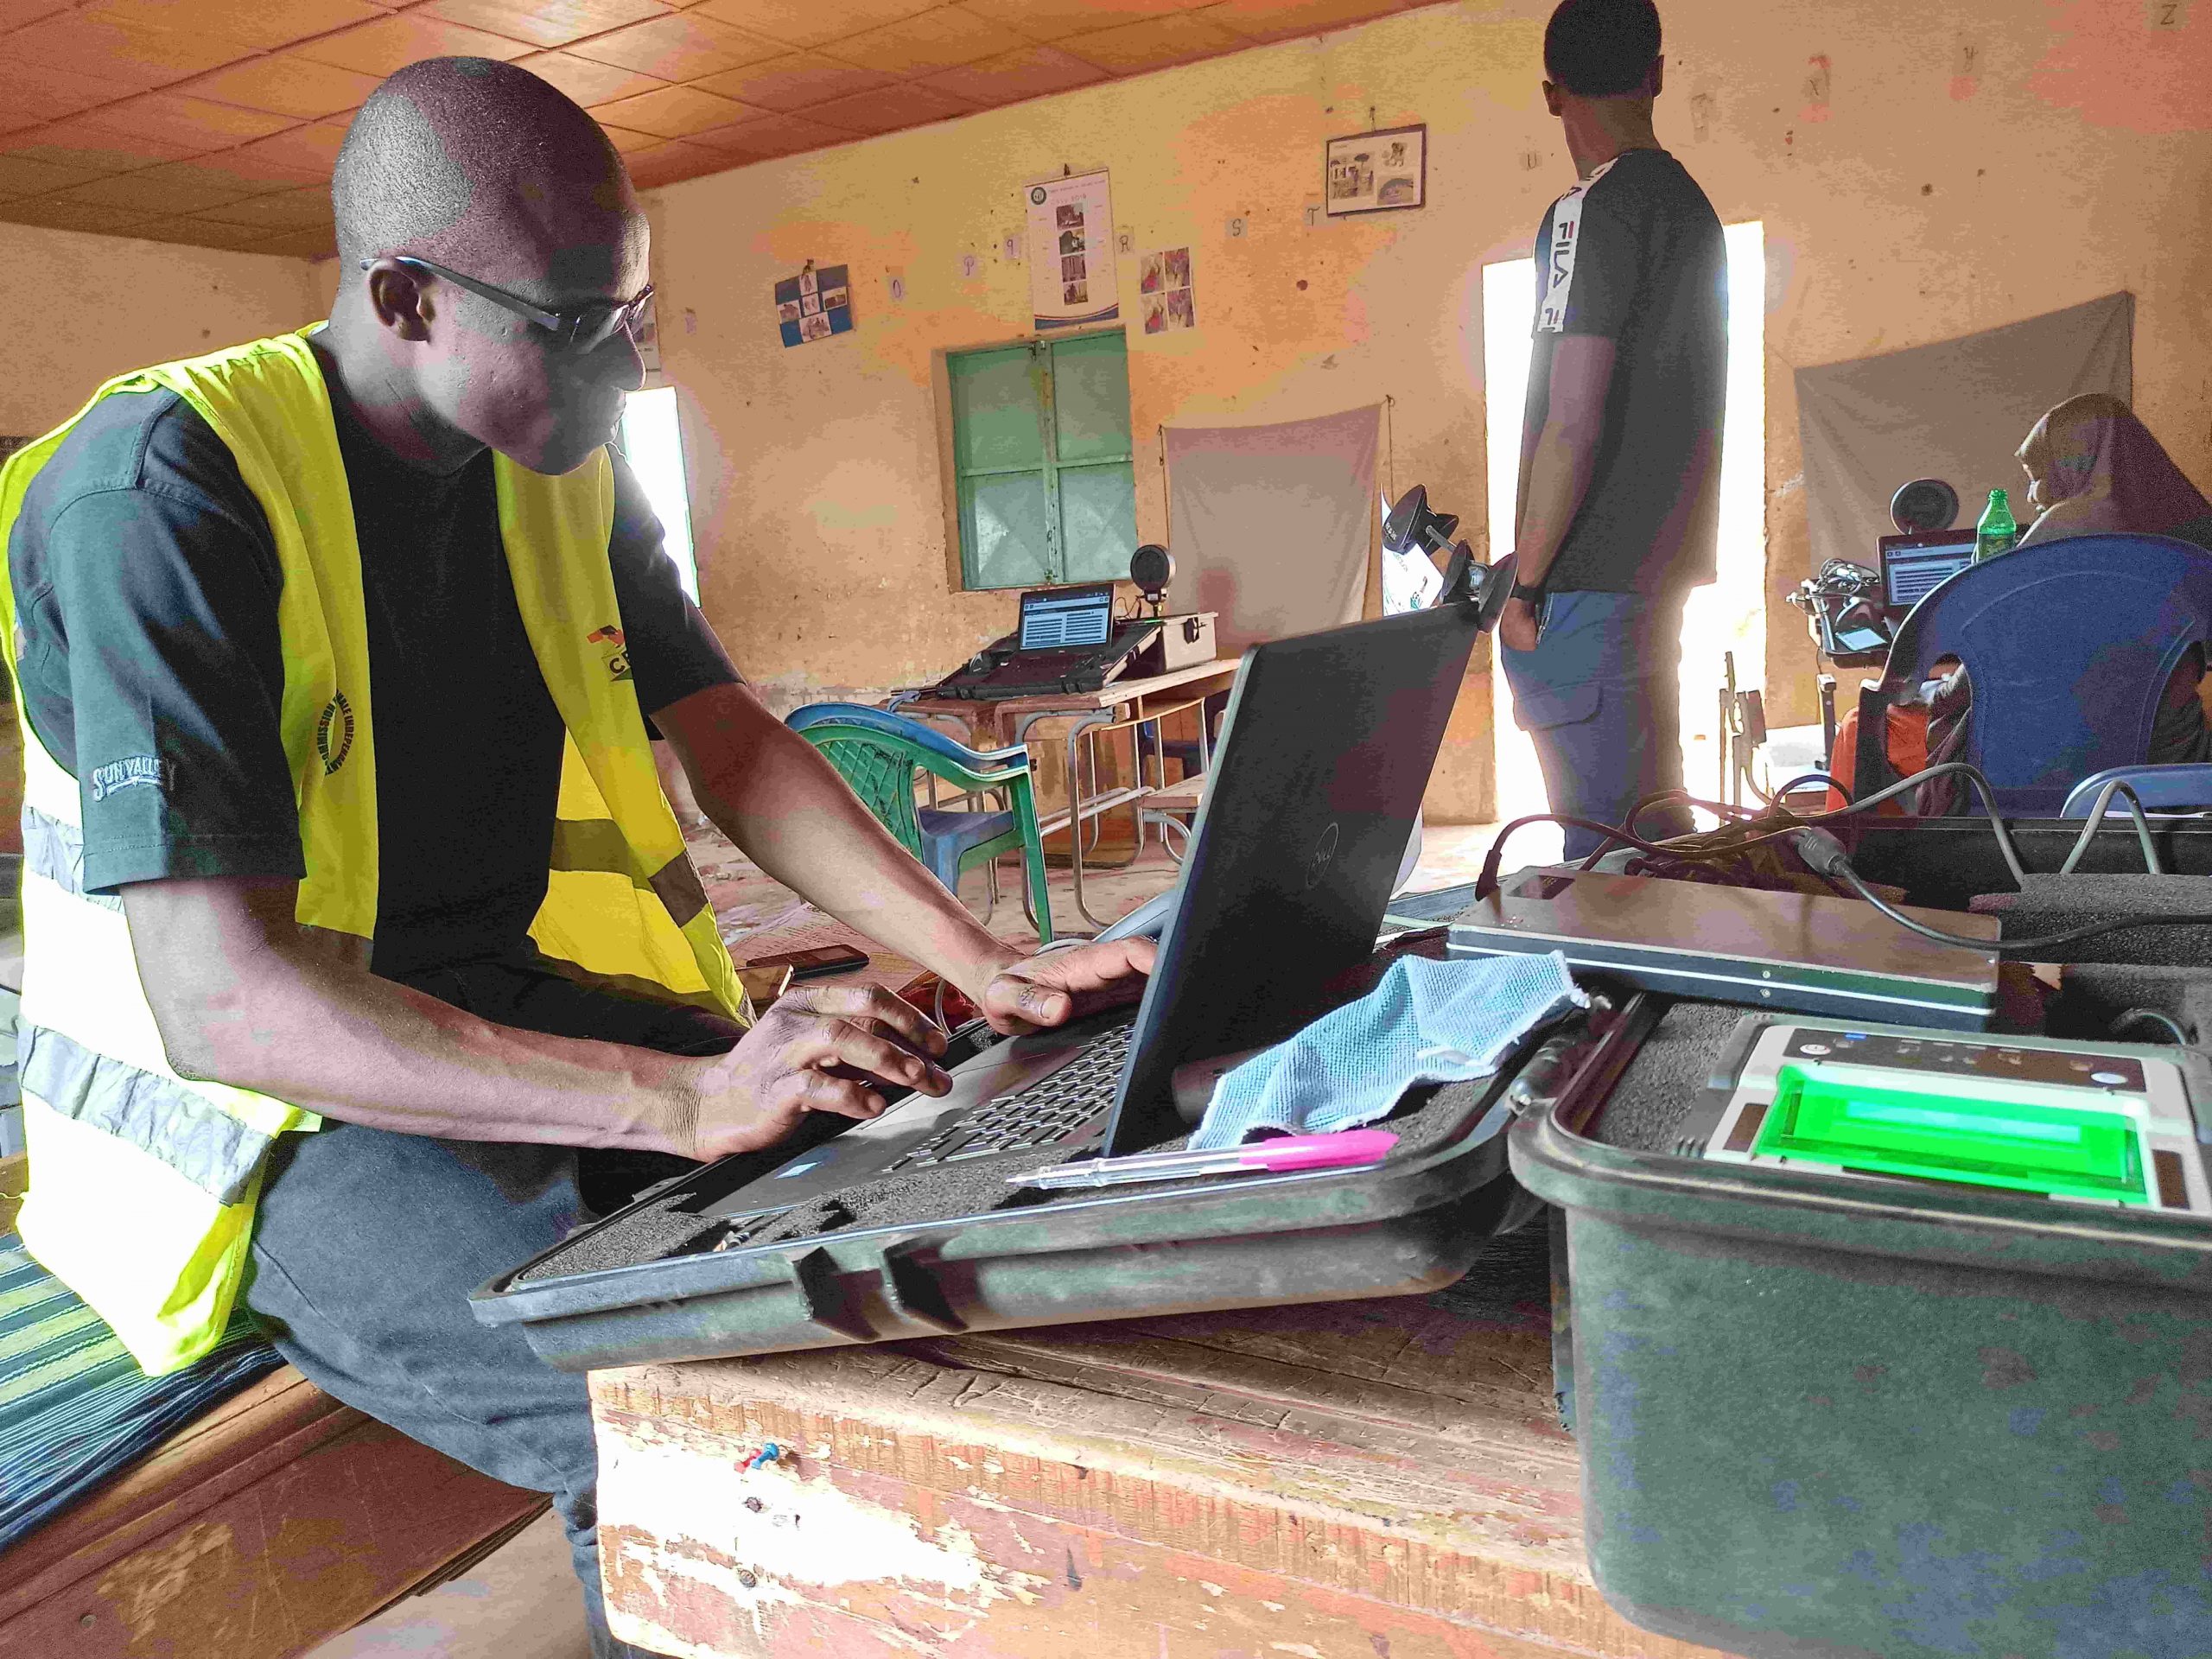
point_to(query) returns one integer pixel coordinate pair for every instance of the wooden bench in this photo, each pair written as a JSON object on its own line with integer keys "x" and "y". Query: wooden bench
{"x": 1384, "y": 1477}
{"x": 276, "y": 1521}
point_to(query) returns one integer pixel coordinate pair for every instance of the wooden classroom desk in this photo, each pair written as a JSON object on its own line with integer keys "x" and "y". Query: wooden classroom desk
{"x": 1120, "y": 705}
{"x": 1382, "y": 1480}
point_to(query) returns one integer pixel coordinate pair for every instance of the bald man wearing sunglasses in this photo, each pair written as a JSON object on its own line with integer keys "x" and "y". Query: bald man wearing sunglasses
{"x": 354, "y": 907}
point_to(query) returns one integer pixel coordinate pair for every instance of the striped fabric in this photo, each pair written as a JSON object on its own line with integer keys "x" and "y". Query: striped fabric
{"x": 74, "y": 1407}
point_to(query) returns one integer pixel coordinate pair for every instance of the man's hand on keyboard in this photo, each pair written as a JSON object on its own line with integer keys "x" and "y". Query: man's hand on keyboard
{"x": 825, "y": 1048}
{"x": 1063, "y": 985}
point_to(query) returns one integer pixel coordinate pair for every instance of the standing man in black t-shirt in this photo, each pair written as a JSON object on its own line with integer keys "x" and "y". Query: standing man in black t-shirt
{"x": 493, "y": 264}
{"x": 1620, "y": 454}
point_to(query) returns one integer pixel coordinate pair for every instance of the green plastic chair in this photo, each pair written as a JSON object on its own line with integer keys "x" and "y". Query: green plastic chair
{"x": 879, "y": 753}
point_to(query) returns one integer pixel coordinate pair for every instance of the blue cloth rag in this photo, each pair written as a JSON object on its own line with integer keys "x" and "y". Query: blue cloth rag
{"x": 1426, "y": 1022}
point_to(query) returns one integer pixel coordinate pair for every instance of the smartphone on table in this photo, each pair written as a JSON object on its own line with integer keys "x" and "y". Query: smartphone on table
{"x": 816, "y": 963}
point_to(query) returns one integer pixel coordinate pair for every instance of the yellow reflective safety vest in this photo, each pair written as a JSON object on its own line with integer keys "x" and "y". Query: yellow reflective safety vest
{"x": 143, "y": 1183}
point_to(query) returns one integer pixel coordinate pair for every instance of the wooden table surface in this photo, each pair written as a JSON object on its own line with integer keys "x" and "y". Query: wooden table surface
{"x": 1382, "y": 1480}
{"x": 994, "y": 722}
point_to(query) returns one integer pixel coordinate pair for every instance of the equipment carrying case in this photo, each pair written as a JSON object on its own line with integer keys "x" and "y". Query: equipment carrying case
{"x": 955, "y": 1248}
{"x": 1829, "y": 1414}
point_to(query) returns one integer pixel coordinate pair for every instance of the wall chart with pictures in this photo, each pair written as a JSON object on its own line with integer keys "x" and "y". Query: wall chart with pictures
{"x": 814, "y": 305}
{"x": 1071, "y": 244}
{"x": 1376, "y": 172}
{"x": 1164, "y": 283}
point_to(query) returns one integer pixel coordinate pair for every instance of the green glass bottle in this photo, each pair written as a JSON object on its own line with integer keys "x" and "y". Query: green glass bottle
{"x": 1996, "y": 533}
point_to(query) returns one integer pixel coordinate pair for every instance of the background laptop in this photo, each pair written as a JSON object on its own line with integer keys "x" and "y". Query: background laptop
{"x": 1057, "y": 619}
{"x": 1914, "y": 564}
{"x": 1330, "y": 742}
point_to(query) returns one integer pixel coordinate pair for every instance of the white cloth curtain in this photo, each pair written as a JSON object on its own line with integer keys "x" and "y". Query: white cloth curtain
{"x": 1270, "y": 525}
{"x": 1956, "y": 411}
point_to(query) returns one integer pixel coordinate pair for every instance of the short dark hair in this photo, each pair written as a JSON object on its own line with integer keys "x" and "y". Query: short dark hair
{"x": 1601, "y": 48}
{"x": 449, "y": 153}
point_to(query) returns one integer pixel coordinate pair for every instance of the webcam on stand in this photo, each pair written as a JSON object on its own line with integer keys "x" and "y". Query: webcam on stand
{"x": 1414, "y": 527}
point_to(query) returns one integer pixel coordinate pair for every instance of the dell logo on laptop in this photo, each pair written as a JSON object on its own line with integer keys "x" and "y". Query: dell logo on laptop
{"x": 1317, "y": 866}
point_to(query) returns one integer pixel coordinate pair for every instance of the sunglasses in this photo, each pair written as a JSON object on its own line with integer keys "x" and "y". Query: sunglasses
{"x": 584, "y": 329}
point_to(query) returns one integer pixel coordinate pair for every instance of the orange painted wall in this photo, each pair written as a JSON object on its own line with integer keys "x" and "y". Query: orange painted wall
{"x": 1922, "y": 171}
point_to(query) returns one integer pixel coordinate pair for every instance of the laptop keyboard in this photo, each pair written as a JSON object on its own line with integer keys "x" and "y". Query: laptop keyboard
{"x": 1048, "y": 1110}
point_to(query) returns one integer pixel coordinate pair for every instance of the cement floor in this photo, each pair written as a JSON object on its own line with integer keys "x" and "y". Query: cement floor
{"x": 521, "y": 1602}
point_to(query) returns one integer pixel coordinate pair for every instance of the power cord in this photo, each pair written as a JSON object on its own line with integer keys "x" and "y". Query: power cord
{"x": 1824, "y": 854}
{"x": 1486, "y": 882}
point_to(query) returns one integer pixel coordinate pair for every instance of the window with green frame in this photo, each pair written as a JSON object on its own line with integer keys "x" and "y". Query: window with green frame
{"x": 1040, "y": 439}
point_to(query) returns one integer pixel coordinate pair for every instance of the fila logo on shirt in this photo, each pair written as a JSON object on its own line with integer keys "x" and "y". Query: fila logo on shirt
{"x": 617, "y": 653}
{"x": 1567, "y": 236}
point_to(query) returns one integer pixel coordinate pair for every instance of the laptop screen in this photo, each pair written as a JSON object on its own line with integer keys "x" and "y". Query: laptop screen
{"x": 1054, "y": 619}
{"x": 1913, "y": 565}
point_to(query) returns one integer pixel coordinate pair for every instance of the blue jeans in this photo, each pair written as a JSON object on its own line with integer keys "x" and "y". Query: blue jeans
{"x": 367, "y": 1243}
{"x": 1600, "y": 697}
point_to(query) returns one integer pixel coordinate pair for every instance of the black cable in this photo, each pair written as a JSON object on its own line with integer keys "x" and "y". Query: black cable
{"x": 1823, "y": 854}
{"x": 1486, "y": 882}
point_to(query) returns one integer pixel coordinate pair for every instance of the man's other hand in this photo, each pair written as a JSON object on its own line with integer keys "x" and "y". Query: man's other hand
{"x": 819, "y": 1049}
{"x": 1061, "y": 985}
{"x": 1517, "y": 625}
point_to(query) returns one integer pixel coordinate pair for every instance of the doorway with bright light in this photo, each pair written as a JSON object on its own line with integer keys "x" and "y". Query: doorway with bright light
{"x": 1727, "y": 616}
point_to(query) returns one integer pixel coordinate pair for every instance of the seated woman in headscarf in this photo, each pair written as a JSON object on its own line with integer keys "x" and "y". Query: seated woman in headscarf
{"x": 2093, "y": 469}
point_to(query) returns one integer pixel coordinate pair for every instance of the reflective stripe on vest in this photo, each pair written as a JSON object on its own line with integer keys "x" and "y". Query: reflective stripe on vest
{"x": 143, "y": 1183}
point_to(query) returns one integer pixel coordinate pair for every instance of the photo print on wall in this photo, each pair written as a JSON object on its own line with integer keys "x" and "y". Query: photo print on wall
{"x": 814, "y": 305}
{"x": 1164, "y": 280}
{"x": 1376, "y": 172}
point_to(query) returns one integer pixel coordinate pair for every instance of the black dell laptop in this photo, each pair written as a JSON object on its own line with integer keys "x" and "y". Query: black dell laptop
{"x": 1330, "y": 741}
{"x": 919, "y": 1223}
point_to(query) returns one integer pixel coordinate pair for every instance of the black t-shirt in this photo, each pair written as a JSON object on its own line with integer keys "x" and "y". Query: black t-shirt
{"x": 147, "y": 585}
{"x": 1635, "y": 254}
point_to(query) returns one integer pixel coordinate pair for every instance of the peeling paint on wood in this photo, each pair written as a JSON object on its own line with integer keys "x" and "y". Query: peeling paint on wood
{"x": 1328, "y": 1483}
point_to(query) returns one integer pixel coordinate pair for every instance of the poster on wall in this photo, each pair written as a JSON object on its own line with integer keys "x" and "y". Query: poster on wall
{"x": 1070, "y": 243}
{"x": 814, "y": 305}
{"x": 1376, "y": 172}
{"x": 1164, "y": 287}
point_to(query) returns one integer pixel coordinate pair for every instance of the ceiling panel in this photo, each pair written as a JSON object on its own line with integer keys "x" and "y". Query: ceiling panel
{"x": 21, "y": 176}
{"x": 72, "y": 144}
{"x": 587, "y": 82}
{"x": 218, "y": 121}
{"x": 794, "y": 82}
{"x": 285, "y": 85}
{"x": 811, "y": 22}
{"x": 148, "y": 195}
{"x": 679, "y": 47}
{"x": 936, "y": 40}
{"x": 1134, "y": 48}
{"x": 1055, "y": 20}
{"x": 1033, "y": 72}
{"x": 56, "y": 214}
{"x": 889, "y": 110}
{"x": 673, "y": 111}
{"x": 193, "y": 123}
{"x": 257, "y": 23}
{"x": 392, "y": 43}
{"x": 549, "y": 23}
{"x": 132, "y": 53}
{"x": 1280, "y": 20}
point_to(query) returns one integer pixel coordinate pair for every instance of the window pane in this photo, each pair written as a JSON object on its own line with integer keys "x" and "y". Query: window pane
{"x": 1091, "y": 393}
{"x": 653, "y": 445}
{"x": 1002, "y": 524}
{"x": 1098, "y": 519}
{"x": 995, "y": 416}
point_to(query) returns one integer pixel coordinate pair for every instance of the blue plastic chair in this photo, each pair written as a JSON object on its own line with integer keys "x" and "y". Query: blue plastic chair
{"x": 2185, "y": 786}
{"x": 2068, "y": 645}
{"x": 878, "y": 753}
